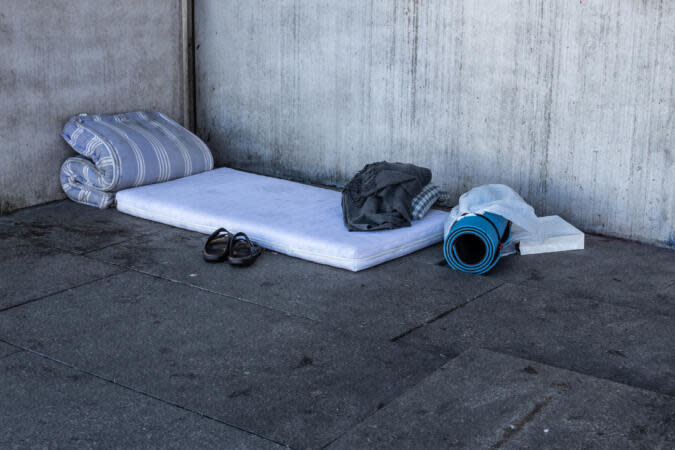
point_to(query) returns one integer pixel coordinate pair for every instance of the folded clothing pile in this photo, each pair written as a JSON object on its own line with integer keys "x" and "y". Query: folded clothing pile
{"x": 120, "y": 151}
{"x": 384, "y": 196}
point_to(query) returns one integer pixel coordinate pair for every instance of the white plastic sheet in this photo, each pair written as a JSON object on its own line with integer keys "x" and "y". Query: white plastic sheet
{"x": 537, "y": 233}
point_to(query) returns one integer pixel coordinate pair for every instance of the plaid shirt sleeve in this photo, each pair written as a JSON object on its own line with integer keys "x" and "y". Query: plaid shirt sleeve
{"x": 423, "y": 202}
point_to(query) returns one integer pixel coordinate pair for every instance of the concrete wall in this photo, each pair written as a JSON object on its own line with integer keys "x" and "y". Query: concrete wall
{"x": 571, "y": 103}
{"x": 65, "y": 57}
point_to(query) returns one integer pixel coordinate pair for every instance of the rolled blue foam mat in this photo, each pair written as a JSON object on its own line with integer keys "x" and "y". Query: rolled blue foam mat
{"x": 474, "y": 242}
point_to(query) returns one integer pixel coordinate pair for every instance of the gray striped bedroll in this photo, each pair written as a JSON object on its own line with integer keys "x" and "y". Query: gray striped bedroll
{"x": 120, "y": 151}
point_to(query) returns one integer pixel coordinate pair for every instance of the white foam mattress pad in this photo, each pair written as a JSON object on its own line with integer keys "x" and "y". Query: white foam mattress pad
{"x": 288, "y": 217}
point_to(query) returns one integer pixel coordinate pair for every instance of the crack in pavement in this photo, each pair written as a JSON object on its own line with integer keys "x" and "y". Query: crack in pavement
{"x": 128, "y": 268}
{"x": 41, "y": 297}
{"x": 527, "y": 418}
{"x": 445, "y": 313}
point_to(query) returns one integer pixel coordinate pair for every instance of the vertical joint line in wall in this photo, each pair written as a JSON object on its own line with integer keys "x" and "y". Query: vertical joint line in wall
{"x": 193, "y": 58}
{"x": 188, "y": 50}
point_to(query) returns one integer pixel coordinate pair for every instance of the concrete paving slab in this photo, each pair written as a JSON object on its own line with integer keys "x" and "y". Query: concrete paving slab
{"x": 30, "y": 271}
{"x": 483, "y": 399}
{"x": 6, "y": 350}
{"x": 383, "y": 301}
{"x": 73, "y": 227}
{"x": 290, "y": 379}
{"x": 621, "y": 344}
{"x": 613, "y": 270}
{"x": 47, "y": 405}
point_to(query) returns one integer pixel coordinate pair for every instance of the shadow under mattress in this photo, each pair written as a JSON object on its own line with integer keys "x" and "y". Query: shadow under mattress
{"x": 288, "y": 217}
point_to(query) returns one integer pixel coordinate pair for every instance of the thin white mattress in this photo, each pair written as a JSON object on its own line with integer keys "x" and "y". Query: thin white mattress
{"x": 281, "y": 215}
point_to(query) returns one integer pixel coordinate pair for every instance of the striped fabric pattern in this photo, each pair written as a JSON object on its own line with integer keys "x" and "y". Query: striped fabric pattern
{"x": 120, "y": 151}
{"x": 423, "y": 202}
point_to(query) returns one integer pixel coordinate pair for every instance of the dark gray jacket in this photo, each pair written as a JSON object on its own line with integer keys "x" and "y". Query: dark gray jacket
{"x": 379, "y": 197}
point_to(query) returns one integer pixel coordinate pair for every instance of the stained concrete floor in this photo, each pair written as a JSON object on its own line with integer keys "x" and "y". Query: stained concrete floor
{"x": 113, "y": 332}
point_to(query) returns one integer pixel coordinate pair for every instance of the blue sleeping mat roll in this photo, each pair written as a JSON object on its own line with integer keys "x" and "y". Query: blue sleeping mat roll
{"x": 474, "y": 242}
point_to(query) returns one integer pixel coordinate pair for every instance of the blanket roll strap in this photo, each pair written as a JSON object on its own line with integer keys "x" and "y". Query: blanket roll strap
{"x": 474, "y": 242}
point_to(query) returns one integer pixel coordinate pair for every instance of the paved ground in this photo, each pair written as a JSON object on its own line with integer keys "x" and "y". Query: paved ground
{"x": 113, "y": 332}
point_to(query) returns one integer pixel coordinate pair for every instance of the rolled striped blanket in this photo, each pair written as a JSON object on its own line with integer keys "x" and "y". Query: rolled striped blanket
{"x": 120, "y": 151}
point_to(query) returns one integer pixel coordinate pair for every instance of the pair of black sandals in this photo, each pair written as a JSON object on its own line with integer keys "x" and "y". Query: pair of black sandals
{"x": 237, "y": 249}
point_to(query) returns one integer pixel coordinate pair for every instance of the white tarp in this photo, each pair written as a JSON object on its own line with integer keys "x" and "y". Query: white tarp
{"x": 533, "y": 234}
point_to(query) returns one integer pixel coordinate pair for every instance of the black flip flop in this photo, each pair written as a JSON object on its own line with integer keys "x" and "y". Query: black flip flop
{"x": 241, "y": 251}
{"x": 217, "y": 246}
